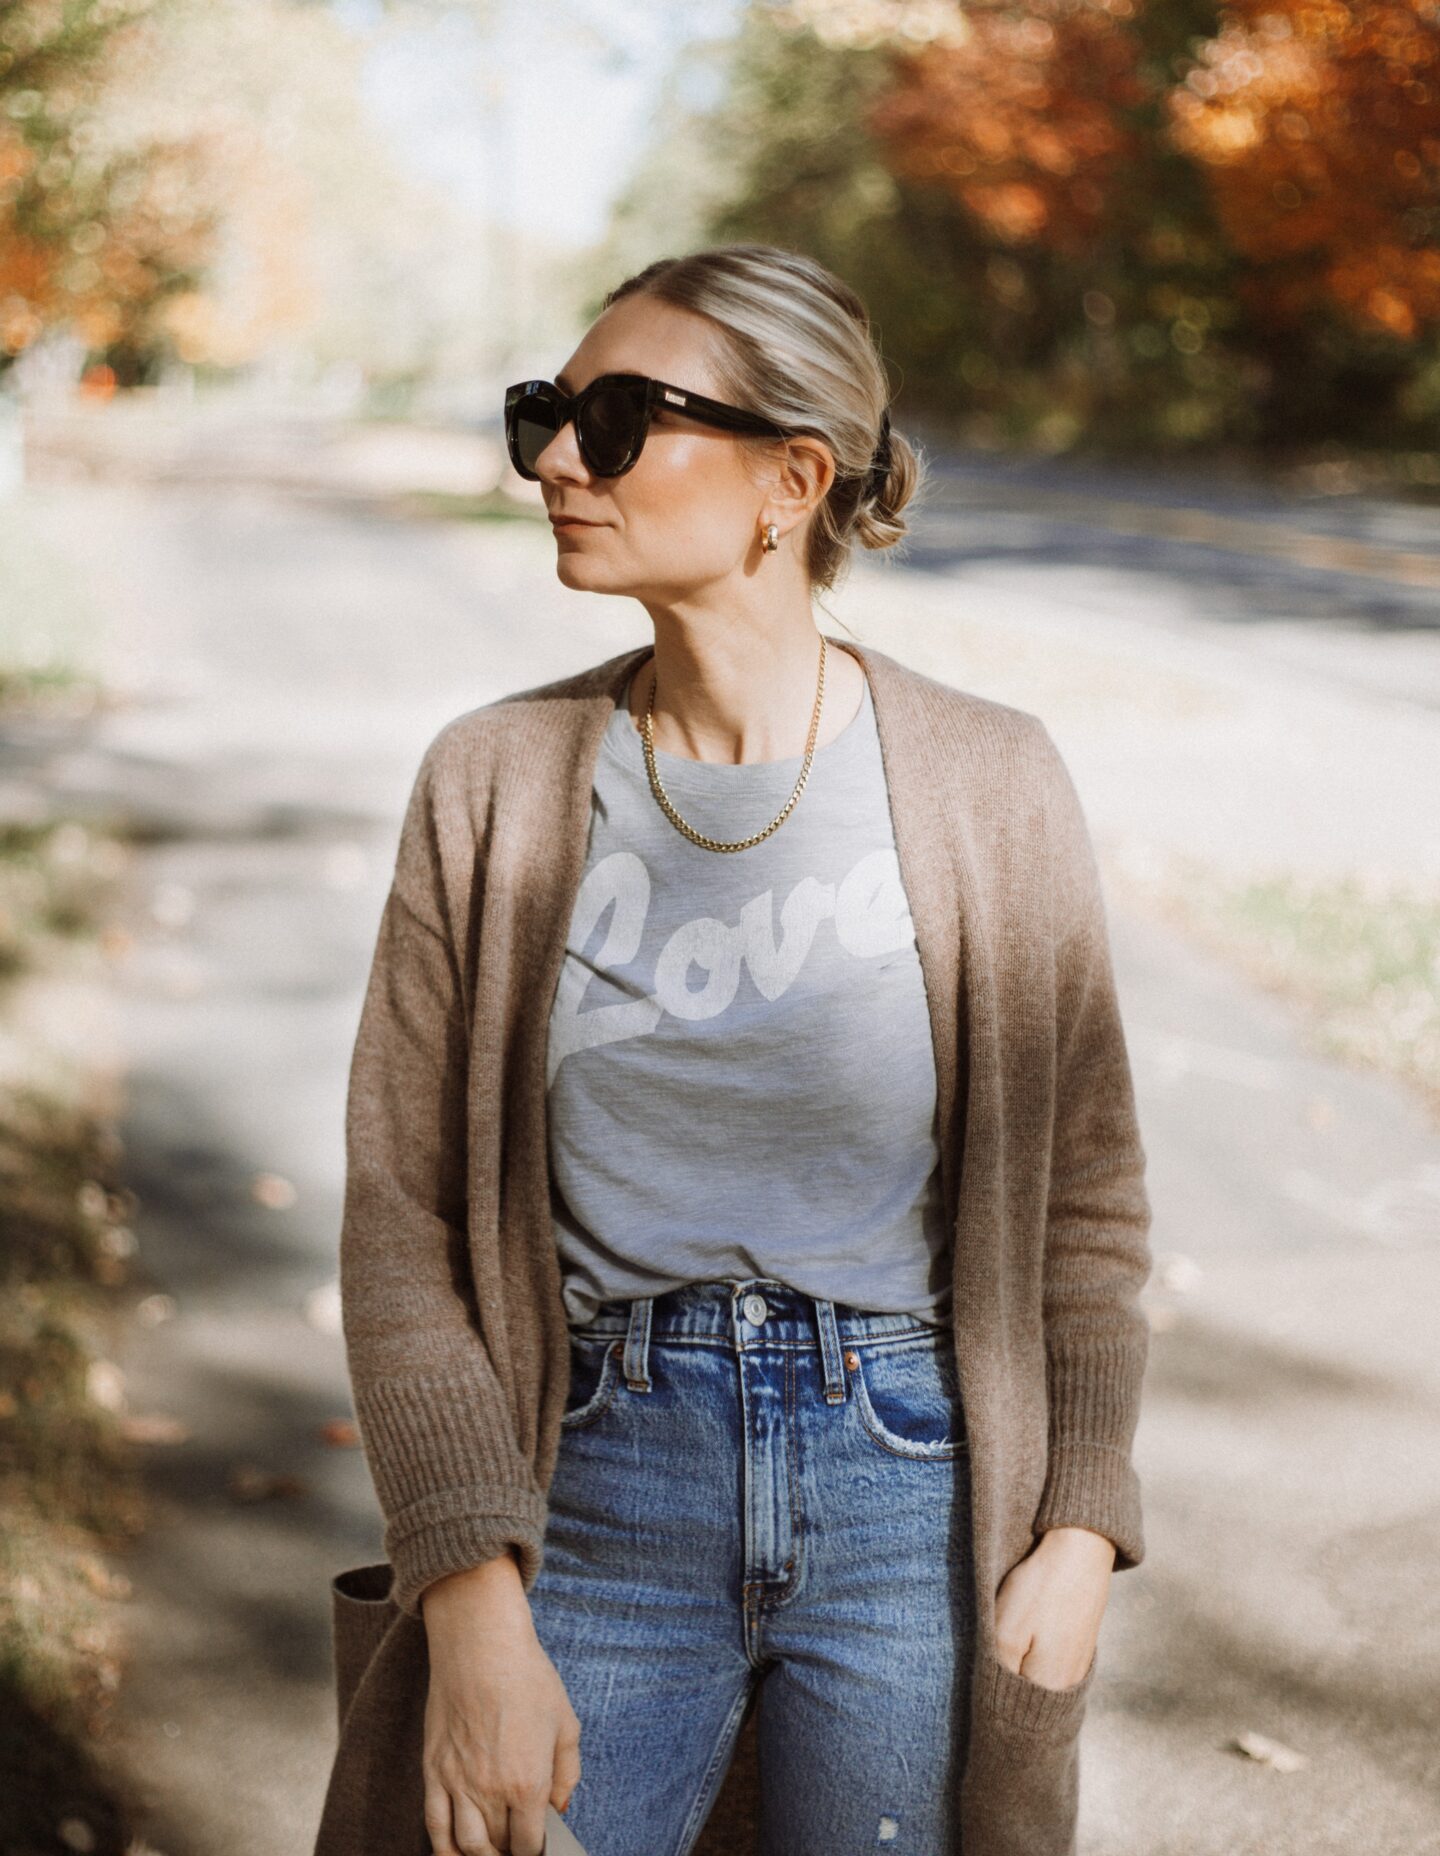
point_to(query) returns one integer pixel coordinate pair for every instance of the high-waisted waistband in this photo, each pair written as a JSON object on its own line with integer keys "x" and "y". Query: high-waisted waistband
{"x": 745, "y": 1312}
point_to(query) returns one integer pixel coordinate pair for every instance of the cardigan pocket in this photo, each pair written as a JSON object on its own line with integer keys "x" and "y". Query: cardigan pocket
{"x": 1017, "y": 1702}
{"x": 361, "y": 1611}
{"x": 1024, "y": 1799}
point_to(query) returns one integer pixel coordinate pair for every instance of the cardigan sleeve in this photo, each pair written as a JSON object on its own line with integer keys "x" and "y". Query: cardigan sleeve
{"x": 453, "y": 1486}
{"x": 1097, "y": 1255}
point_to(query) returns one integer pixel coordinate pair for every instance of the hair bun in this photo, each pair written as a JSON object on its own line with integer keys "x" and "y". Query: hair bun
{"x": 880, "y": 464}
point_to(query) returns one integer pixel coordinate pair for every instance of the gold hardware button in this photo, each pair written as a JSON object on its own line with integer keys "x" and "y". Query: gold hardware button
{"x": 852, "y": 1359}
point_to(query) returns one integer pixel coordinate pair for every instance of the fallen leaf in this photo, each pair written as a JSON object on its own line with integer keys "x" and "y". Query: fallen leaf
{"x": 1270, "y": 1752}
{"x": 272, "y": 1190}
{"x": 105, "y": 1384}
{"x": 322, "y": 1307}
{"x": 247, "y": 1482}
{"x": 153, "y": 1427}
{"x": 1177, "y": 1271}
{"x": 92, "y": 1198}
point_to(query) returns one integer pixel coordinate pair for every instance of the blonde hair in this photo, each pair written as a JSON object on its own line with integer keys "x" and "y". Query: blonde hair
{"x": 794, "y": 343}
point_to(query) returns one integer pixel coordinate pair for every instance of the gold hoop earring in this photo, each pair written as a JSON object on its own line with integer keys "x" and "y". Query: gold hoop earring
{"x": 770, "y": 540}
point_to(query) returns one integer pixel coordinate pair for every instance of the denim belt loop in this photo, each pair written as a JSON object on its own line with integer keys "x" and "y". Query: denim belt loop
{"x": 835, "y": 1388}
{"x": 636, "y": 1364}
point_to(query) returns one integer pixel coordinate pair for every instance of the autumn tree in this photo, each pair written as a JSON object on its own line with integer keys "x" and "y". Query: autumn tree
{"x": 994, "y": 181}
{"x": 1111, "y": 222}
{"x": 1032, "y": 120}
{"x": 1317, "y": 125}
{"x": 93, "y": 237}
{"x": 1256, "y": 183}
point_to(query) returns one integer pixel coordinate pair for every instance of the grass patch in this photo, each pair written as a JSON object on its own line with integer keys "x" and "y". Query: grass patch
{"x": 1363, "y": 955}
{"x": 48, "y": 626}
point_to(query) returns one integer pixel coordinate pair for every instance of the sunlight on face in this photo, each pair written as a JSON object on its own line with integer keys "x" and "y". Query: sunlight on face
{"x": 687, "y": 515}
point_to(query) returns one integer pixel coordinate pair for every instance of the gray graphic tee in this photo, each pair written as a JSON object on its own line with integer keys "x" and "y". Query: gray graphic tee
{"x": 741, "y": 1077}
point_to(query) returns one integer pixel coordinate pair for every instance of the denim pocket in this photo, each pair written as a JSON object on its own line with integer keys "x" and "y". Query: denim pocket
{"x": 907, "y": 1392}
{"x": 595, "y": 1378}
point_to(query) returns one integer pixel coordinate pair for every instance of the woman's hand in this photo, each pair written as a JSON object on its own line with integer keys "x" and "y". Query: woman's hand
{"x": 501, "y": 1739}
{"x": 1049, "y": 1606}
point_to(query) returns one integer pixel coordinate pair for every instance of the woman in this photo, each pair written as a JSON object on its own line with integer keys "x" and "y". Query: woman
{"x": 745, "y": 1212}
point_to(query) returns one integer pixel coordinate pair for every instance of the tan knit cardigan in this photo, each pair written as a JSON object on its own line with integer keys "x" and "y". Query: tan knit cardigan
{"x": 455, "y": 1332}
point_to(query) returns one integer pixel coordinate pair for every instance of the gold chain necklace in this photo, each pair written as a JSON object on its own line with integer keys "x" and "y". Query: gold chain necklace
{"x": 698, "y": 837}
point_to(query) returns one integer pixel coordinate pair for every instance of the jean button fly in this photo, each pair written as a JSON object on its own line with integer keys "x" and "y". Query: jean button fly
{"x": 755, "y": 1309}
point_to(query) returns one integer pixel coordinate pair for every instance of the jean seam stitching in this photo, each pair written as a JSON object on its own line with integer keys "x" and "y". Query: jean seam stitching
{"x": 705, "y": 1797}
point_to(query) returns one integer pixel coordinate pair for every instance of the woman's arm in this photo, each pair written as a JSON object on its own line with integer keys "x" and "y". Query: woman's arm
{"x": 1097, "y": 1254}
{"x": 1097, "y": 1258}
{"x": 454, "y": 1488}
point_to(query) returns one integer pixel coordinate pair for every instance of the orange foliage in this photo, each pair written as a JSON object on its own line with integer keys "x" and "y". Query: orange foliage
{"x": 25, "y": 265}
{"x": 1315, "y": 122}
{"x": 1022, "y": 123}
{"x": 1318, "y": 123}
{"x": 112, "y": 253}
{"x": 91, "y": 238}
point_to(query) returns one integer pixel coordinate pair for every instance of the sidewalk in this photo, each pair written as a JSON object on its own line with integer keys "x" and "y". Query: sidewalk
{"x": 1252, "y": 749}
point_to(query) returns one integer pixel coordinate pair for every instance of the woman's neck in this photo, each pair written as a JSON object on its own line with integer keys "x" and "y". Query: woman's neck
{"x": 717, "y": 712}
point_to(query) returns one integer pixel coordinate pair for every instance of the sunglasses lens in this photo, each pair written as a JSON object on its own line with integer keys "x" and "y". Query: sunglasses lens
{"x": 609, "y": 427}
{"x": 533, "y": 425}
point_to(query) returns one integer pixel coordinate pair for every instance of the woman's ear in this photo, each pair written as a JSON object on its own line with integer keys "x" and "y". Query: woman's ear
{"x": 803, "y": 476}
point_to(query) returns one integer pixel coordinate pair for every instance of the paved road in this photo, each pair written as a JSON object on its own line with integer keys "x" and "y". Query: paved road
{"x": 290, "y": 655}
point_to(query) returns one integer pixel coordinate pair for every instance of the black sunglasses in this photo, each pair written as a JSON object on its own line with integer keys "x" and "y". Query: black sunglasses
{"x": 612, "y": 419}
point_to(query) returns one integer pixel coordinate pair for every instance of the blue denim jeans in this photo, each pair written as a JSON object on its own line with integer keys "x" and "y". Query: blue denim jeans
{"x": 760, "y": 1490}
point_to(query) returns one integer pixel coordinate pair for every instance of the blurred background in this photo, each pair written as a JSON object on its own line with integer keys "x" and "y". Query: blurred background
{"x": 1158, "y": 286}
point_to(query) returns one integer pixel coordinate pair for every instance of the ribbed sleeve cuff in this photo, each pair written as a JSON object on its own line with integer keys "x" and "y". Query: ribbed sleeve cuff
{"x": 454, "y": 1489}
{"x": 1093, "y": 1385}
{"x": 451, "y": 1533}
{"x": 1094, "y": 1486}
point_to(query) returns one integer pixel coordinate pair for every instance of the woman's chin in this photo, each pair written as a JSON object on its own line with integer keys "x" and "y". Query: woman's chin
{"x": 575, "y": 569}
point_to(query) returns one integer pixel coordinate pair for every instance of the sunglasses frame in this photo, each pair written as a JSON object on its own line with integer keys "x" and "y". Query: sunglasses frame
{"x": 648, "y": 392}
